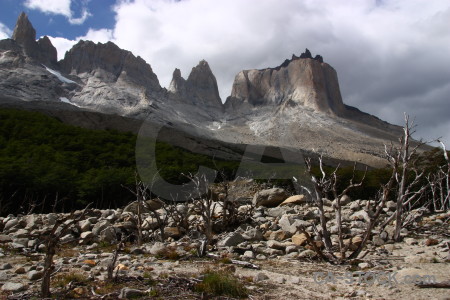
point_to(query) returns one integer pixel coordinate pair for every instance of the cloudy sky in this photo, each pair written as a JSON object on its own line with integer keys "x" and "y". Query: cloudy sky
{"x": 392, "y": 56}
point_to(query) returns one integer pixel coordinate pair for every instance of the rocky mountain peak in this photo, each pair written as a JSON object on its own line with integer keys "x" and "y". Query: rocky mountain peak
{"x": 199, "y": 89}
{"x": 177, "y": 85}
{"x": 301, "y": 81}
{"x": 25, "y": 35}
{"x": 24, "y": 32}
{"x": 108, "y": 60}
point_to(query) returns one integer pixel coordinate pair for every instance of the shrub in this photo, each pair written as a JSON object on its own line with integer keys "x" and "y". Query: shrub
{"x": 221, "y": 283}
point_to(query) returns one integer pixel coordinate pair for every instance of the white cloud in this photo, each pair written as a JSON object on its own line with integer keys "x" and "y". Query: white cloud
{"x": 62, "y": 45}
{"x": 78, "y": 21}
{"x": 98, "y": 36}
{"x": 5, "y": 32}
{"x": 391, "y": 56}
{"x": 60, "y": 7}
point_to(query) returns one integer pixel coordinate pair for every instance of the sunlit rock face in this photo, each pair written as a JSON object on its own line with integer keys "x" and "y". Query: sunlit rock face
{"x": 301, "y": 81}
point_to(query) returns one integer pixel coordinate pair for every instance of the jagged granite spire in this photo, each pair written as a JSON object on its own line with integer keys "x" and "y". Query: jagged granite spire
{"x": 25, "y": 35}
{"x": 199, "y": 89}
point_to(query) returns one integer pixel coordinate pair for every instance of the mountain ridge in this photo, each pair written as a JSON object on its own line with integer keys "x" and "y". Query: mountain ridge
{"x": 296, "y": 105}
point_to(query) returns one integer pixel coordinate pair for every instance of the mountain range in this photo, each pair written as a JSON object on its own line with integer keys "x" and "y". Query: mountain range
{"x": 296, "y": 106}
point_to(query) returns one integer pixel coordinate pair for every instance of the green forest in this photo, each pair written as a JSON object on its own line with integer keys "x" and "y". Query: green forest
{"x": 46, "y": 165}
{"x": 51, "y": 166}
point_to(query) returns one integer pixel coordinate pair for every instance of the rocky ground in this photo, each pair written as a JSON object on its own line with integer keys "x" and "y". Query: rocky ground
{"x": 265, "y": 254}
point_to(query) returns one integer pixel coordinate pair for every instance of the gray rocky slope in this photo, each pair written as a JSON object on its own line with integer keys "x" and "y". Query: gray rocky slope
{"x": 296, "y": 106}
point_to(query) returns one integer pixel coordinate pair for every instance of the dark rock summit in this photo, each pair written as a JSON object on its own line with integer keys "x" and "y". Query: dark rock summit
{"x": 25, "y": 35}
{"x": 200, "y": 89}
{"x": 115, "y": 63}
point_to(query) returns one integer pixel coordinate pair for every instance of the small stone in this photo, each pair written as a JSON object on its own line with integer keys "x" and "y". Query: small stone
{"x": 90, "y": 262}
{"x": 121, "y": 267}
{"x": 232, "y": 239}
{"x": 10, "y": 224}
{"x": 307, "y": 254}
{"x": 270, "y": 197}
{"x": 4, "y": 276}
{"x": 276, "y": 245}
{"x": 86, "y": 237}
{"x": 355, "y": 206}
{"x": 291, "y": 249}
{"x": 260, "y": 277}
{"x": 294, "y": 200}
{"x": 127, "y": 293}
{"x": 173, "y": 232}
{"x": 377, "y": 241}
{"x": 280, "y": 280}
{"x": 80, "y": 291}
{"x": 6, "y": 266}
{"x": 20, "y": 270}
{"x": 391, "y": 205}
{"x": 431, "y": 242}
{"x": 411, "y": 241}
{"x": 4, "y": 238}
{"x": 35, "y": 275}
{"x": 14, "y": 287}
{"x": 157, "y": 248}
{"x": 248, "y": 255}
{"x": 299, "y": 239}
{"x": 137, "y": 251}
{"x": 279, "y": 235}
{"x": 292, "y": 255}
{"x": 364, "y": 265}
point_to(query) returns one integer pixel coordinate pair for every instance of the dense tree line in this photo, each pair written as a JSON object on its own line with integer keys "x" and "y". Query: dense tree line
{"x": 48, "y": 165}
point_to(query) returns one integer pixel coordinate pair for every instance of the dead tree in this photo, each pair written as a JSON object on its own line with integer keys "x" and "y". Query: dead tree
{"x": 142, "y": 192}
{"x": 53, "y": 238}
{"x": 401, "y": 159}
{"x": 203, "y": 204}
{"x": 440, "y": 184}
{"x": 324, "y": 185}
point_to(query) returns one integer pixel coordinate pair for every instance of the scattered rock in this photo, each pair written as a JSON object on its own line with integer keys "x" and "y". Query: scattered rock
{"x": 6, "y": 266}
{"x": 173, "y": 232}
{"x": 270, "y": 197}
{"x": 128, "y": 293}
{"x": 232, "y": 239}
{"x": 157, "y": 248}
{"x": 14, "y": 287}
{"x": 294, "y": 200}
{"x": 248, "y": 255}
{"x": 299, "y": 239}
{"x": 431, "y": 242}
{"x": 410, "y": 241}
{"x": 5, "y": 238}
{"x": 260, "y": 277}
{"x": 35, "y": 275}
{"x": 307, "y": 254}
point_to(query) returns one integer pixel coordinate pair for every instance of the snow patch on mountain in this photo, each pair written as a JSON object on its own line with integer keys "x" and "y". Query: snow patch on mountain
{"x": 59, "y": 76}
{"x": 65, "y": 100}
